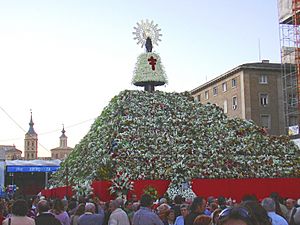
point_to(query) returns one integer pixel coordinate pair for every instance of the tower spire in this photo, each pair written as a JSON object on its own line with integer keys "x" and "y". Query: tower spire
{"x": 31, "y": 123}
{"x": 63, "y": 130}
{"x": 63, "y": 139}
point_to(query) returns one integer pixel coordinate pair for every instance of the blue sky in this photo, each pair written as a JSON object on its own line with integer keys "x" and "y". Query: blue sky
{"x": 66, "y": 59}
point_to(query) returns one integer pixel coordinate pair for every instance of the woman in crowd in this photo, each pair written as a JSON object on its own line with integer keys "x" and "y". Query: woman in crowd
{"x": 163, "y": 211}
{"x": 215, "y": 216}
{"x": 178, "y": 200}
{"x": 59, "y": 212}
{"x": 171, "y": 217}
{"x": 79, "y": 211}
{"x": 203, "y": 220}
{"x": 236, "y": 216}
{"x": 258, "y": 212}
{"x": 19, "y": 211}
{"x": 1, "y": 212}
{"x": 72, "y": 207}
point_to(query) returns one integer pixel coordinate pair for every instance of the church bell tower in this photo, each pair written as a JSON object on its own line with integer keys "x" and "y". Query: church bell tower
{"x": 31, "y": 142}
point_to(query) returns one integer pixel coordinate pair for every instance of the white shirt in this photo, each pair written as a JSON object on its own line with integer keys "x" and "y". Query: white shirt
{"x": 19, "y": 220}
{"x": 118, "y": 217}
{"x": 277, "y": 219}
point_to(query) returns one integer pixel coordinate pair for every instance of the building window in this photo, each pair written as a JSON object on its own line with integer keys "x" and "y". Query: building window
{"x": 224, "y": 87}
{"x": 195, "y": 99}
{"x": 294, "y": 81}
{"x": 206, "y": 95}
{"x": 263, "y": 79}
{"x": 56, "y": 155}
{"x": 265, "y": 121}
{"x": 215, "y": 91}
{"x": 293, "y": 120}
{"x": 264, "y": 99}
{"x": 292, "y": 99}
{"x": 199, "y": 97}
{"x": 233, "y": 82}
{"x": 225, "y": 106}
{"x": 234, "y": 103}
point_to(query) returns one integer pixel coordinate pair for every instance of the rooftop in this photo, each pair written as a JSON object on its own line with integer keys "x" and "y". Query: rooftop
{"x": 264, "y": 65}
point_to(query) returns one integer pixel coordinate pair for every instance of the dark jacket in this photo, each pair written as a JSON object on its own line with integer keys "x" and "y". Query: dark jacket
{"x": 46, "y": 219}
{"x": 189, "y": 219}
{"x": 91, "y": 219}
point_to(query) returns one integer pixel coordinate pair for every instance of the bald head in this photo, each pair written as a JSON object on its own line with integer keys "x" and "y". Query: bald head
{"x": 113, "y": 205}
{"x": 120, "y": 202}
{"x": 268, "y": 204}
{"x": 90, "y": 207}
{"x": 43, "y": 206}
{"x": 290, "y": 203}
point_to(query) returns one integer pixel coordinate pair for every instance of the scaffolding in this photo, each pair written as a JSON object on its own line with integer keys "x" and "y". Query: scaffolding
{"x": 289, "y": 22}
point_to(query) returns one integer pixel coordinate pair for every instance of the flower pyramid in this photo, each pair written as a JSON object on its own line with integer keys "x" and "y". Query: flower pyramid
{"x": 162, "y": 135}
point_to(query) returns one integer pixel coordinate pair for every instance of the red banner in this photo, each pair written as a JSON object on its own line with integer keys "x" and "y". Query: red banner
{"x": 140, "y": 185}
{"x": 238, "y": 188}
{"x": 59, "y": 192}
{"x": 101, "y": 190}
{"x": 46, "y": 192}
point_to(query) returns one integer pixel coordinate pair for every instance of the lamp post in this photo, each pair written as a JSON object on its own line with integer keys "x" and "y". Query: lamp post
{"x": 46, "y": 180}
{"x": 67, "y": 179}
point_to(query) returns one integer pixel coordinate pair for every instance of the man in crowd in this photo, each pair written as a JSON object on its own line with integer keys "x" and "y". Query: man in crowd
{"x": 118, "y": 216}
{"x": 293, "y": 215}
{"x": 184, "y": 210}
{"x": 44, "y": 216}
{"x": 89, "y": 217}
{"x": 197, "y": 208}
{"x": 270, "y": 207}
{"x": 144, "y": 216}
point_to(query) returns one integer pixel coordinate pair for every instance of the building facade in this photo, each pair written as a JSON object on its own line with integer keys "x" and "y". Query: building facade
{"x": 31, "y": 142}
{"x": 251, "y": 91}
{"x": 63, "y": 150}
{"x": 10, "y": 152}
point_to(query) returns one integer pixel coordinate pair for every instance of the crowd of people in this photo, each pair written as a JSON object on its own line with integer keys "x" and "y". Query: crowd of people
{"x": 271, "y": 210}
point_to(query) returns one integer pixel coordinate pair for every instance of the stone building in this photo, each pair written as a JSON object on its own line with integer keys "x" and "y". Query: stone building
{"x": 251, "y": 91}
{"x": 10, "y": 152}
{"x": 63, "y": 150}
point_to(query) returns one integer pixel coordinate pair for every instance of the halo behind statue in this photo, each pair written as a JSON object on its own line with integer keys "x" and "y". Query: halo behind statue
{"x": 149, "y": 72}
{"x": 147, "y": 31}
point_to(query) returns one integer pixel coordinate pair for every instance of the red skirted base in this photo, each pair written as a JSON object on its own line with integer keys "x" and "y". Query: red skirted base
{"x": 58, "y": 192}
{"x": 139, "y": 186}
{"x": 234, "y": 188}
{"x": 238, "y": 188}
{"x": 101, "y": 190}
